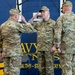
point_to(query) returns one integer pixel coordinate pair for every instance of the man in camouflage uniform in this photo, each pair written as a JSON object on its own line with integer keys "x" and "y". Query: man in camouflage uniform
{"x": 45, "y": 34}
{"x": 11, "y": 31}
{"x": 65, "y": 39}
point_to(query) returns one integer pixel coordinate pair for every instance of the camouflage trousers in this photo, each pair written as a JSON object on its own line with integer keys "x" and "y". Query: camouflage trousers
{"x": 45, "y": 62}
{"x": 12, "y": 65}
{"x": 68, "y": 64}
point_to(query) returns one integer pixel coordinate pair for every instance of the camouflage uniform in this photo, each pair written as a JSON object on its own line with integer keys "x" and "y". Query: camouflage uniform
{"x": 65, "y": 38}
{"x": 45, "y": 34}
{"x": 11, "y": 33}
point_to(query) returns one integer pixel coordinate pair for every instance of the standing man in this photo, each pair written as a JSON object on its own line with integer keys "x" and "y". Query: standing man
{"x": 65, "y": 39}
{"x": 45, "y": 34}
{"x": 11, "y": 32}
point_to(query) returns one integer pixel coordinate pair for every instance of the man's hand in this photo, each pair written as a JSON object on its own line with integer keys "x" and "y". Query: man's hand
{"x": 34, "y": 17}
{"x": 59, "y": 51}
{"x": 53, "y": 49}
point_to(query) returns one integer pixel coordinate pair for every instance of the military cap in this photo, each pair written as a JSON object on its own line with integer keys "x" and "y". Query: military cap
{"x": 44, "y": 8}
{"x": 67, "y": 4}
{"x": 14, "y": 11}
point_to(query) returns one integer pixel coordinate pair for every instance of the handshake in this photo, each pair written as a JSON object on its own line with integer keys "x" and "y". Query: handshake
{"x": 54, "y": 48}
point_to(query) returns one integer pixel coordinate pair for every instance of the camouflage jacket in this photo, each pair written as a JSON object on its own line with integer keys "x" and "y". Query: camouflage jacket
{"x": 45, "y": 34}
{"x": 10, "y": 37}
{"x": 65, "y": 32}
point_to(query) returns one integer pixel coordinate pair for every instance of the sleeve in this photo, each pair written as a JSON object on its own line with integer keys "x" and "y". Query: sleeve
{"x": 35, "y": 24}
{"x": 27, "y": 28}
{"x": 58, "y": 32}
